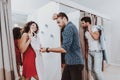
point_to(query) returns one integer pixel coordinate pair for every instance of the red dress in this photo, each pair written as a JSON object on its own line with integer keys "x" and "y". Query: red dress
{"x": 18, "y": 55}
{"x": 29, "y": 68}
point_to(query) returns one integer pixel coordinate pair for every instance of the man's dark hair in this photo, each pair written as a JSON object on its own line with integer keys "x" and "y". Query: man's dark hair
{"x": 62, "y": 14}
{"x": 17, "y": 33}
{"x": 86, "y": 19}
{"x": 27, "y": 26}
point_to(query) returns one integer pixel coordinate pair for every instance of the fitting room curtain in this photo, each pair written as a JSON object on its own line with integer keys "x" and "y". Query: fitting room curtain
{"x": 82, "y": 44}
{"x": 7, "y": 55}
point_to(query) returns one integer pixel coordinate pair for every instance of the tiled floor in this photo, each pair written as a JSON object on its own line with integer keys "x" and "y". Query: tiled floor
{"x": 112, "y": 73}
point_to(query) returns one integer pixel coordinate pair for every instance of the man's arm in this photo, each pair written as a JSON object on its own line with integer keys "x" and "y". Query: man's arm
{"x": 95, "y": 34}
{"x": 56, "y": 50}
{"x": 67, "y": 41}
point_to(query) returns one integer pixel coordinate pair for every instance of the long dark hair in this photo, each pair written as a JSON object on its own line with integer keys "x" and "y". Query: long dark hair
{"x": 17, "y": 33}
{"x": 27, "y": 27}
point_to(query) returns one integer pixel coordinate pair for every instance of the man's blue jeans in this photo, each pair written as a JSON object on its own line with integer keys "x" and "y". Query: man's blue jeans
{"x": 95, "y": 64}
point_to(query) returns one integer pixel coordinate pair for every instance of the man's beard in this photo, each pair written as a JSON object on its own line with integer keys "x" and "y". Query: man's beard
{"x": 63, "y": 26}
{"x": 85, "y": 28}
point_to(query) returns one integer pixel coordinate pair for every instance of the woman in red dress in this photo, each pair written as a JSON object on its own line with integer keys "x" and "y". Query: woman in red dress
{"x": 29, "y": 68}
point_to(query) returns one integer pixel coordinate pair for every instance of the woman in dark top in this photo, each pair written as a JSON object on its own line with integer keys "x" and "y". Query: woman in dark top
{"x": 17, "y": 36}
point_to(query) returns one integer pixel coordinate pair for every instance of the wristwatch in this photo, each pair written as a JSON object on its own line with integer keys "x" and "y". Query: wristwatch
{"x": 47, "y": 50}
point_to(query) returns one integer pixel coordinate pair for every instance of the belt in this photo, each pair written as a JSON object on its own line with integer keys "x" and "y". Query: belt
{"x": 97, "y": 51}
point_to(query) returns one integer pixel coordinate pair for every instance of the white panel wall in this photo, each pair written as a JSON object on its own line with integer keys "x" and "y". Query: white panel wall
{"x": 108, "y": 30}
{"x": 50, "y": 37}
{"x": 110, "y": 7}
{"x": 74, "y": 17}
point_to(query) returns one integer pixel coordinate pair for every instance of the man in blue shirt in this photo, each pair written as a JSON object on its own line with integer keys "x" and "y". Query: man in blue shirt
{"x": 70, "y": 47}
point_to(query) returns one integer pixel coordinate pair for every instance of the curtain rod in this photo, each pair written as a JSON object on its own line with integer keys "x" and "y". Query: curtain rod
{"x": 65, "y": 3}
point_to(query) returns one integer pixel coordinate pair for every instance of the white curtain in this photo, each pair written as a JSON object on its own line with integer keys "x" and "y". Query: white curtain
{"x": 7, "y": 55}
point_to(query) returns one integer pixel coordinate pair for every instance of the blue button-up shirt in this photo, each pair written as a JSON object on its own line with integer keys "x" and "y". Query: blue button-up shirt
{"x": 71, "y": 44}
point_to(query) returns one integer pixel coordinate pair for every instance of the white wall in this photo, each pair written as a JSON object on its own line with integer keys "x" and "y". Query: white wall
{"x": 52, "y": 61}
{"x": 74, "y": 17}
{"x": 108, "y": 37}
{"x": 27, "y": 6}
{"x": 111, "y": 8}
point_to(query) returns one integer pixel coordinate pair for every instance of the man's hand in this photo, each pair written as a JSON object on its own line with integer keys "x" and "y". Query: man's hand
{"x": 95, "y": 35}
{"x": 89, "y": 29}
{"x": 43, "y": 50}
{"x": 54, "y": 16}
